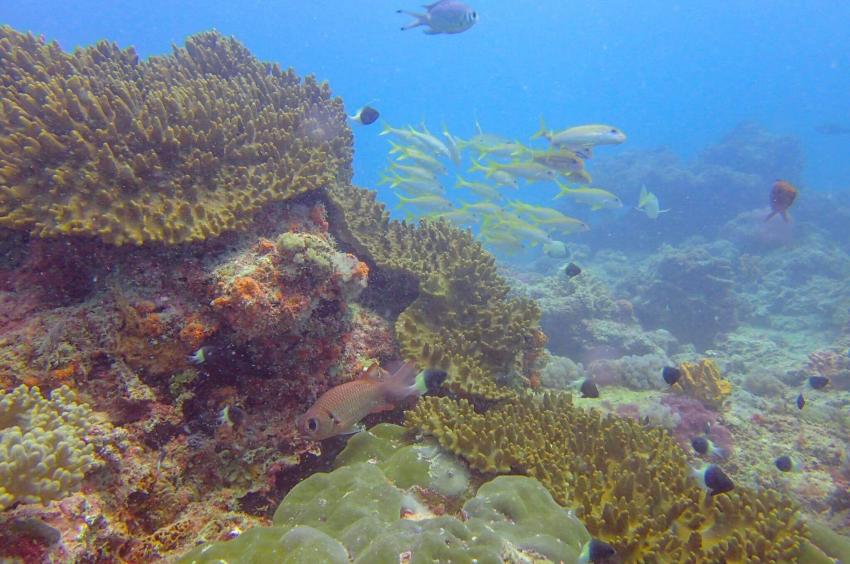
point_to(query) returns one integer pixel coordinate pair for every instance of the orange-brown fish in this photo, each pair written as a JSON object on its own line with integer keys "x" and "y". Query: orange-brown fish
{"x": 782, "y": 195}
{"x": 339, "y": 409}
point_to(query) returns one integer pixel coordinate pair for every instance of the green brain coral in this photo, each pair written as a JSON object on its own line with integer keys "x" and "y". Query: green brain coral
{"x": 359, "y": 513}
{"x": 43, "y": 455}
{"x": 172, "y": 149}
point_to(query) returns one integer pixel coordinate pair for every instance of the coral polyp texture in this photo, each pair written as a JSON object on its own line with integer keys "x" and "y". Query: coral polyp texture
{"x": 629, "y": 484}
{"x": 702, "y": 381}
{"x": 173, "y": 149}
{"x": 43, "y": 454}
{"x": 454, "y": 309}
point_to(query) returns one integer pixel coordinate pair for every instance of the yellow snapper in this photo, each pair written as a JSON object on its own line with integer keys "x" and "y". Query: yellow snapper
{"x": 453, "y": 145}
{"x": 596, "y": 198}
{"x": 582, "y": 135}
{"x": 502, "y": 241}
{"x": 422, "y": 159}
{"x": 527, "y": 170}
{"x": 412, "y": 184}
{"x": 430, "y": 143}
{"x": 648, "y": 204}
{"x": 432, "y": 202}
{"x": 479, "y": 188}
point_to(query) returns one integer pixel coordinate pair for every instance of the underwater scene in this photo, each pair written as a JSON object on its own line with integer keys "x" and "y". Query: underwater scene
{"x": 470, "y": 282}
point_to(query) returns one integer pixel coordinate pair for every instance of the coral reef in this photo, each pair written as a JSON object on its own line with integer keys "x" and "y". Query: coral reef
{"x": 629, "y": 484}
{"x": 688, "y": 291}
{"x": 832, "y": 363}
{"x": 453, "y": 308}
{"x": 363, "y": 510}
{"x": 703, "y": 382}
{"x": 43, "y": 452}
{"x": 173, "y": 149}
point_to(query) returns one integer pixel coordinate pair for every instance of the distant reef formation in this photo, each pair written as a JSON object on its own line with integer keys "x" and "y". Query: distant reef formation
{"x": 173, "y": 149}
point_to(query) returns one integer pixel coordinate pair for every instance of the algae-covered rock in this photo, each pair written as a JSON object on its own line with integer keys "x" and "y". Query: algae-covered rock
{"x": 368, "y": 510}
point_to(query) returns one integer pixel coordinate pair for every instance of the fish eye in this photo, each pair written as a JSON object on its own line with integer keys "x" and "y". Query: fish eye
{"x": 614, "y": 131}
{"x": 312, "y": 424}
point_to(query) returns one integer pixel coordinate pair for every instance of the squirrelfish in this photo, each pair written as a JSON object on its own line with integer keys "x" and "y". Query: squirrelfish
{"x": 340, "y": 408}
{"x": 596, "y": 198}
{"x": 582, "y": 135}
{"x": 648, "y": 204}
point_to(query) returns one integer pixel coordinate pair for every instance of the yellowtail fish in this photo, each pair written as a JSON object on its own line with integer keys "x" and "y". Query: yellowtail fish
{"x": 565, "y": 161}
{"x": 506, "y": 149}
{"x": 482, "y": 139}
{"x": 453, "y": 145}
{"x": 479, "y": 188}
{"x": 413, "y": 185}
{"x": 430, "y": 143}
{"x": 518, "y": 169}
{"x": 483, "y": 208}
{"x": 535, "y": 213}
{"x": 401, "y": 133}
{"x": 582, "y": 135}
{"x": 430, "y": 202}
{"x": 648, "y": 204}
{"x": 565, "y": 225}
{"x": 460, "y": 216}
{"x": 339, "y": 409}
{"x": 413, "y": 170}
{"x": 518, "y": 227}
{"x": 502, "y": 178}
{"x": 422, "y": 159}
{"x": 596, "y": 198}
{"x": 502, "y": 241}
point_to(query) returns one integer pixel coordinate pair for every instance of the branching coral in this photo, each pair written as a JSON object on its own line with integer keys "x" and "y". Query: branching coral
{"x": 629, "y": 484}
{"x": 453, "y": 308}
{"x": 43, "y": 454}
{"x": 702, "y": 381}
{"x": 172, "y": 149}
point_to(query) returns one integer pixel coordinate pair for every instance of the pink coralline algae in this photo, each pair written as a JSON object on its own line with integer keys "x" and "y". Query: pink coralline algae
{"x": 695, "y": 420}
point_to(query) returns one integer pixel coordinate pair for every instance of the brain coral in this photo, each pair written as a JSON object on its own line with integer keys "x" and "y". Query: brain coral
{"x": 375, "y": 512}
{"x": 173, "y": 149}
{"x": 454, "y": 309}
{"x": 629, "y": 484}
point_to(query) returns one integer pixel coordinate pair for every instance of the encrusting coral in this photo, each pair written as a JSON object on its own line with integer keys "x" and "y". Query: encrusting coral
{"x": 43, "y": 455}
{"x": 173, "y": 149}
{"x": 453, "y": 308}
{"x": 702, "y": 381}
{"x": 629, "y": 484}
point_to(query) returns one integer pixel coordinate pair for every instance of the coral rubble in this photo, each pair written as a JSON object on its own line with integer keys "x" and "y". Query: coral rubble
{"x": 629, "y": 484}
{"x": 173, "y": 149}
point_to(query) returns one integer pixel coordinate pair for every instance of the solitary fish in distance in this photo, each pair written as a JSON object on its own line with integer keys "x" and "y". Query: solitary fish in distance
{"x": 443, "y": 16}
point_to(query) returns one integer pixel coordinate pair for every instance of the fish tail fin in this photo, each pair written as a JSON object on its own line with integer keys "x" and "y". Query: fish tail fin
{"x": 564, "y": 189}
{"x": 401, "y": 199}
{"x": 401, "y": 383}
{"x": 542, "y": 132}
{"x": 419, "y": 19}
{"x": 386, "y": 129}
{"x": 429, "y": 380}
{"x": 477, "y": 166}
{"x": 461, "y": 182}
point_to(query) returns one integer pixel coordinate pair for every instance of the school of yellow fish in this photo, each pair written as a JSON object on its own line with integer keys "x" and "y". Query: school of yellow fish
{"x": 491, "y": 203}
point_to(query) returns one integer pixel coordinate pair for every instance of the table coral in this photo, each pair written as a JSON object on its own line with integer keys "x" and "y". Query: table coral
{"x": 629, "y": 484}
{"x": 702, "y": 381}
{"x": 173, "y": 149}
{"x": 43, "y": 453}
{"x": 453, "y": 309}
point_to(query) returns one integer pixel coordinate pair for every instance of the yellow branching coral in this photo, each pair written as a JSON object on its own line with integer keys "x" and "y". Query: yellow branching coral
{"x": 42, "y": 453}
{"x": 453, "y": 308}
{"x": 702, "y": 381}
{"x": 629, "y": 484}
{"x": 173, "y": 149}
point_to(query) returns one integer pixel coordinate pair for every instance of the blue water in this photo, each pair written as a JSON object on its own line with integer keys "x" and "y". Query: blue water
{"x": 674, "y": 74}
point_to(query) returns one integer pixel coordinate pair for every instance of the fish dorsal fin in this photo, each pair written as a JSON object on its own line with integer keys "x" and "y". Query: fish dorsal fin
{"x": 373, "y": 372}
{"x": 644, "y": 197}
